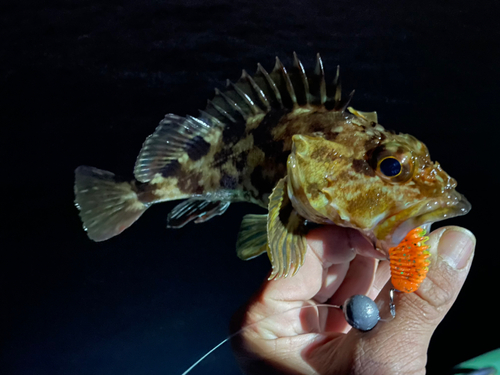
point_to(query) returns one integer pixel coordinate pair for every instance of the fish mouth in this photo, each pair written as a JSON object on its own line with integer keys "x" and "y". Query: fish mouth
{"x": 394, "y": 229}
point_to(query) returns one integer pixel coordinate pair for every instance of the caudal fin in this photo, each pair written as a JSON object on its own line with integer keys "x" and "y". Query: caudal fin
{"x": 107, "y": 206}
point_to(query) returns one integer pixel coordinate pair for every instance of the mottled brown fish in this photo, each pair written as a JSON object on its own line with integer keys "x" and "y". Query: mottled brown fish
{"x": 285, "y": 141}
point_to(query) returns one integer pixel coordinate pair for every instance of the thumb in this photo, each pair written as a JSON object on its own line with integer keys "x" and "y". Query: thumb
{"x": 399, "y": 346}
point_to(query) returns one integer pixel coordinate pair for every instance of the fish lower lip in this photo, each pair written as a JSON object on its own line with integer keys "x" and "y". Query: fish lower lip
{"x": 455, "y": 204}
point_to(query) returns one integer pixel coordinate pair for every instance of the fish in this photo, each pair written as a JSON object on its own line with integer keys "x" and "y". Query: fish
{"x": 288, "y": 142}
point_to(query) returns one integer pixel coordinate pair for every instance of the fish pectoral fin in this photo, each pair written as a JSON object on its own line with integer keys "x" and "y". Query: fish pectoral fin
{"x": 195, "y": 209}
{"x": 286, "y": 231}
{"x": 370, "y": 116}
{"x": 252, "y": 237}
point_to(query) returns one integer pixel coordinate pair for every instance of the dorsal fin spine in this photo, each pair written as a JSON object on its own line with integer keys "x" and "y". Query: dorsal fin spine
{"x": 342, "y": 105}
{"x": 258, "y": 91}
{"x": 221, "y": 111}
{"x": 254, "y": 108}
{"x": 280, "y": 69}
{"x": 320, "y": 73}
{"x": 338, "y": 86}
{"x": 257, "y": 95}
{"x": 212, "y": 119}
{"x": 270, "y": 83}
{"x": 303, "y": 77}
{"x": 202, "y": 125}
{"x": 231, "y": 103}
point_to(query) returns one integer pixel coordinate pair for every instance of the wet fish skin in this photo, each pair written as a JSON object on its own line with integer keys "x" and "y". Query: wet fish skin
{"x": 288, "y": 142}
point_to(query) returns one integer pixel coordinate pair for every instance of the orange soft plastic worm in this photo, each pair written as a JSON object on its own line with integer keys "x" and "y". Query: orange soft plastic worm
{"x": 409, "y": 261}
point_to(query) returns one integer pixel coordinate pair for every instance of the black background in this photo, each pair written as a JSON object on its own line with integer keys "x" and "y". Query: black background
{"x": 84, "y": 82}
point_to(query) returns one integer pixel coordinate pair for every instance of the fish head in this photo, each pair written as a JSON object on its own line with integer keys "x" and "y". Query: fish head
{"x": 364, "y": 177}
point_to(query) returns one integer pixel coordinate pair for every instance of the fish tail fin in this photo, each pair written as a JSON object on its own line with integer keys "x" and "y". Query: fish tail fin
{"x": 107, "y": 206}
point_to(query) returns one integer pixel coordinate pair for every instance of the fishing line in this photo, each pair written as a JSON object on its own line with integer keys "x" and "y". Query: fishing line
{"x": 360, "y": 311}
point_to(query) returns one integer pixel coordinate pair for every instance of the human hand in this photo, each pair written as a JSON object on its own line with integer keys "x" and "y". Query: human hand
{"x": 317, "y": 340}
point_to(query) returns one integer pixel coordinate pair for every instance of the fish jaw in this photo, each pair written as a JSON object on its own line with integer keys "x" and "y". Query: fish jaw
{"x": 391, "y": 231}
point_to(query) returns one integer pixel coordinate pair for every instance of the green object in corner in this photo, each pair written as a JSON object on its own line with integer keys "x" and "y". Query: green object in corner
{"x": 489, "y": 360}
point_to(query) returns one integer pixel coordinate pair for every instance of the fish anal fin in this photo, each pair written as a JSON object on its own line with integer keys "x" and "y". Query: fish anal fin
{"x": 195, "y": 209}
{"x": 252, "y": 237}
{"x": 286, "y": 231}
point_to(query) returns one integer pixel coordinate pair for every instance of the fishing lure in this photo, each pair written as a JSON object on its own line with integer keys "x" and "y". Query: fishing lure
{"x": 409, "y": 263}
{"x": 360, "y": 311}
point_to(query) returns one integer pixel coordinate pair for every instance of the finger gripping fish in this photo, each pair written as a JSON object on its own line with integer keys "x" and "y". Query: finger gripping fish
{"x": 286, "y": 141}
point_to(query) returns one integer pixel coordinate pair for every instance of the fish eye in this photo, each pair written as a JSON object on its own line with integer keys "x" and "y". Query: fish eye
{"x": 392, "y": 162}
{"x": 390, "y": 166}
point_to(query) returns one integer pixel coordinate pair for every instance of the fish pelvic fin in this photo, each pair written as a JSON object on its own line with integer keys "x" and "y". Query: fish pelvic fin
{"x": 252, "y": 237}
{"x": 195, "y": 209}
{"x": 107, "y": 206}
{"x": 286, "y": 231}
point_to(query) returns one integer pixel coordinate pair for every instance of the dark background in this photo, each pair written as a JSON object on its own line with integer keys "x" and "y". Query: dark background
{"x": 84, "y": 82}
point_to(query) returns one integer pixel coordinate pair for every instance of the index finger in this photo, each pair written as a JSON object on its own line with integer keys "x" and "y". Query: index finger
{"x": 329, "y": 250}
{"x": 277, "y": 305}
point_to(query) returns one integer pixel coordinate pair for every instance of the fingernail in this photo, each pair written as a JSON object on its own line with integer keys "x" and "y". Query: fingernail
{"x": 456, "y": 246}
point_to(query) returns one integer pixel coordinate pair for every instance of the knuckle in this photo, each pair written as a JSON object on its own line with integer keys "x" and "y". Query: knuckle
{"x": 441, "y": 286}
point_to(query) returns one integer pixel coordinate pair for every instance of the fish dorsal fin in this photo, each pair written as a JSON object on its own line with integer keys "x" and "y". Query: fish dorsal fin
{"x": 299, "y": 80}
{"x": 195, "y": 209}
{"x": 230, "y": 105}
{"x": 268, "y": 86}
{"x": 174, "y": 137}
{"x": 251, "y": 96}
{"x": 242, "y": 95}
{"x": 369, "y": 116}
{"x": 334, "y": 93}
{"x": 221, "y": 113}
{"x": 227, "y": 115}
{"x": 282, "y": 79}
{"x": 252, "y": 237}
{"x": 247, "y": 84}
{"x": 286, "y": 232}
{"x": 318, "y": 83}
